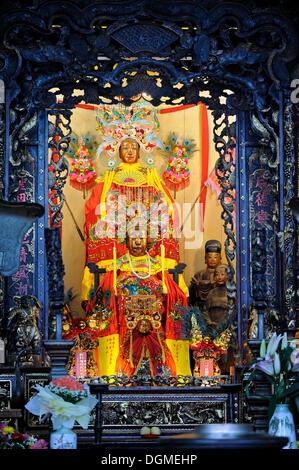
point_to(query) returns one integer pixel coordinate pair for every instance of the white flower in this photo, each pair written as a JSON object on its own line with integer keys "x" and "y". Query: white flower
{"x": 276, "y": 364}
{"x": 265, "y": 365}
{"x": 263, "y": 349}
{"x": 295, "y": 360}
{"x": 284, "y": 342}
{"x": 273, "y": 344}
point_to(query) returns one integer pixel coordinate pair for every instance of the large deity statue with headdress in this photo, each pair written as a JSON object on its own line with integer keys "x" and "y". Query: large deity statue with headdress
{"x": 129, "y": 192}
{"x": 138, "y": 317}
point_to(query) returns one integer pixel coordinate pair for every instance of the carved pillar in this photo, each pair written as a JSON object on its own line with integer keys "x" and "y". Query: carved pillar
{"x": 288, "y": 163}
{"x": 258, "y": 407}
{"x": 98, "y": 389}
{"x": 57, "y": 349}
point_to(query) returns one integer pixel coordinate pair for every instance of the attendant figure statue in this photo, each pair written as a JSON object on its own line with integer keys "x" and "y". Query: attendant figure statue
{"x": 204, "y": 280}
{"x": 140, "y": 311}
{"x": 216, "y": 305}
{"x": 216, "y": 313}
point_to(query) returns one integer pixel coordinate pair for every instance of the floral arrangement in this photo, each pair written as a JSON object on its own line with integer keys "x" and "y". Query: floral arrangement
{"x": 66, "y": 400}
{"x": 178, "y": 151}
{"x": 68, "y": 388}
{"x": 219, "y": 344}
{"x": 10, "y": 439}
{"x": 82, "y": 173}
{"x": 279, "y": 362}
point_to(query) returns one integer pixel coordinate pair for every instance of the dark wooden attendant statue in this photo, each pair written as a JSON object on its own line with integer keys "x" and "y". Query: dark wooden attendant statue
{"x": 216, "y": 313}
{"x": 216, "y": 307}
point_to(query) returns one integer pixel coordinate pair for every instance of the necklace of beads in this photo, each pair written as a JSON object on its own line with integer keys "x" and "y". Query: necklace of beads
{"x": 138, "y": 275}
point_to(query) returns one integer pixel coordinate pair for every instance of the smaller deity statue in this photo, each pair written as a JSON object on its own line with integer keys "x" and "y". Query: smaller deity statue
{"x": 204, "y": 280}
{"x": 22, "y": 334}
{"x": 211, "y": 335}
{"x": 81, "y": 361}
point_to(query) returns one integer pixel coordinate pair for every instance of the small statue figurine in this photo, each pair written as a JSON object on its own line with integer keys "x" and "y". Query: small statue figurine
{"x": 216, "y": 307}
{"x": 216, "y": 313}
{"x": 204, "y": 280}
{"x": 22, "y": 332}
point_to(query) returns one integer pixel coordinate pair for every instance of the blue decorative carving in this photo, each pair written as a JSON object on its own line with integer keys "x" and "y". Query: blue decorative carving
{"x": 15, "y": 220}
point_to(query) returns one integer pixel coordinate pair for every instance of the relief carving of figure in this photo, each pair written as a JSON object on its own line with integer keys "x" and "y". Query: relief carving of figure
{"x": 22, "y": 331}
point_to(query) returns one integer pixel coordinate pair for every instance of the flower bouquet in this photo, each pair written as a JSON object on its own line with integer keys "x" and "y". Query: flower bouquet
{"x": 279, "y": 363}
{"x": 10, "y": 439}
{"x": 66, "y": 400}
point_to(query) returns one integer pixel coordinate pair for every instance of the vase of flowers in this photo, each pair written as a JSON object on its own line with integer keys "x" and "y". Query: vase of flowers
{"x": 282, "y": 424}
{"x": 279, "y": 363}
{"x": 66, "y": 400}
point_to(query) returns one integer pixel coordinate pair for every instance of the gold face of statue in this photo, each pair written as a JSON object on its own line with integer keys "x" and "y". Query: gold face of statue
{"x": 137, "y": 243}
{"x": 129, "y": 151}
{"x": 213, "y": 259}
{"x": 220, "y": 276}
{"x": 144, "y": 326}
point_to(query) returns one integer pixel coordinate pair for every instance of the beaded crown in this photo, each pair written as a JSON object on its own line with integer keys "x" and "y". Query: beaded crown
{"x": 118, "y": 122}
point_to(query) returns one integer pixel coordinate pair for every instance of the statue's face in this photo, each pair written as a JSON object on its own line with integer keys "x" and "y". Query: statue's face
{"x": 129, "y": 151}
{"x": 137, "y": 243}
{"x": 213, "y": 259}
{"x": 144, "y": 326}
{"x": 220, "y": 276}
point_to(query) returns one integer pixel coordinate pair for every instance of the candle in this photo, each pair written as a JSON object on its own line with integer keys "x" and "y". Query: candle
{"x": 114, "y": 268}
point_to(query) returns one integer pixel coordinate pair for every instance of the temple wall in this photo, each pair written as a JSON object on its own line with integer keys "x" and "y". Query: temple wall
{"x": 184, "y": 123}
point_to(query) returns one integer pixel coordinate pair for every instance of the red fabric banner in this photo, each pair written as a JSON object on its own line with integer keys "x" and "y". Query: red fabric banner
{"x": 204, "y": 137}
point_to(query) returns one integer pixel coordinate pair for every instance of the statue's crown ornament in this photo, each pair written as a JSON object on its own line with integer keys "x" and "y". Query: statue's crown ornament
{"x": 118, "y": 122}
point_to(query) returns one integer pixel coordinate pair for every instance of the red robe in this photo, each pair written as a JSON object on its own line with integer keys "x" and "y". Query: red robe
{"x": 133, "y": 345}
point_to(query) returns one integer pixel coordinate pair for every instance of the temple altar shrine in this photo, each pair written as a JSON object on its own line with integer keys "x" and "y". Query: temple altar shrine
{"x": 149, "y": 210}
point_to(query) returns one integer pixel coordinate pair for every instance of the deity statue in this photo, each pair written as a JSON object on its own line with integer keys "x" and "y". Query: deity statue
{"x": 139, "y": 311}
{"x": 128, "y": 192}
{"x": 22, "y": 332}
{"x": 216, "y": 313}
{"x": 204, "y": 280}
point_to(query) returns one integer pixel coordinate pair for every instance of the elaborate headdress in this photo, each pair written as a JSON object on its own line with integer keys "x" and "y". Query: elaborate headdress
{"x": 118, "y": 122}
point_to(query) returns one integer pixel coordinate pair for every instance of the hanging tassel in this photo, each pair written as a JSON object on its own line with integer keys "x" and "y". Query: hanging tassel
{"x": 131, "y": 349}
{"x": 108, "y": 179}
{"x": 114, "y": 269}
{"x": 161, "y": 346}
{"x": 163, "y": 268}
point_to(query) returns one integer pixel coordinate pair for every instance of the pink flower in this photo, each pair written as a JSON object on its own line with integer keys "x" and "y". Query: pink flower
{"x": 40, "y": 444}
{"x": 69, "y": 382}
